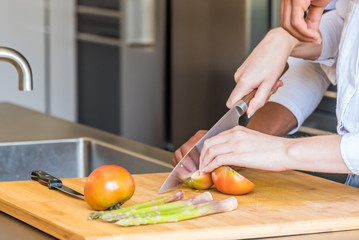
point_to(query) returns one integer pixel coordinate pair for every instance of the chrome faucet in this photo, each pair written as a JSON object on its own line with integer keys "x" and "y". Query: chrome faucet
{"x": 22, "y": 67}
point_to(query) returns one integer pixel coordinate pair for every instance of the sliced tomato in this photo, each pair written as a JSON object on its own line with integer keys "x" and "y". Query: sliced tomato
{"x": 230, "y": 181}
{"x": 200, "y": 181}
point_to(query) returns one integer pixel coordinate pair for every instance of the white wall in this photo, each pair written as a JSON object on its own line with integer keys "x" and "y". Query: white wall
{"x": 44, "y": 32}
{"x": 22, "y": 28}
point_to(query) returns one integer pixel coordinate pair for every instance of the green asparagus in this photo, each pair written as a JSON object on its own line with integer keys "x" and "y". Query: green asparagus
{"x": 162, "y": 200}
{"x": 196, "y": 210}
{"x": 115, "y": 215}
{"x": 156, "y": 213}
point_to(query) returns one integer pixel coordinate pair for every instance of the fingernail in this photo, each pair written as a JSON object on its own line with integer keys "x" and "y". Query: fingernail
{"x": 250, "y": 113}
{"x": 204, "y": 170}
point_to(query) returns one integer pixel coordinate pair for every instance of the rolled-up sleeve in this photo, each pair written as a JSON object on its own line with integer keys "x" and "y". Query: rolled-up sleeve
{"x": 330, "y": 28}
{"x": 349, "y": 148}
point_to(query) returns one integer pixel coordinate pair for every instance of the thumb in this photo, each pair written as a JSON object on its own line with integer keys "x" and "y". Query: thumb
{"x": 260, "y": 98}
{"x": 313, "y": 20}
{"x": 238, "y": 93}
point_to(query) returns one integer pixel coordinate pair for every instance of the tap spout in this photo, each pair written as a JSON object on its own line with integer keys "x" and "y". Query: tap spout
{"x": 22, "y": 67}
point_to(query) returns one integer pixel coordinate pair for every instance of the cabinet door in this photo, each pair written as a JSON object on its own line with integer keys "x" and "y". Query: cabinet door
{"x": 22, "y": 27}
{"x": 61, "y": 59}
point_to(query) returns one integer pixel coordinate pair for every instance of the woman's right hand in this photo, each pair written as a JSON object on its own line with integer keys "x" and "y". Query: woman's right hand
{"x": 262, "y": 69}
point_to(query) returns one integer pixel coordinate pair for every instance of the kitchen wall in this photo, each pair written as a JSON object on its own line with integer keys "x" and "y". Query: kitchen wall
{"x": 43, "y": 31}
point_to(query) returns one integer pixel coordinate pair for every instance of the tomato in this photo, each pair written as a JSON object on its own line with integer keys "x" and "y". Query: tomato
{"x": 229, "y": 181}
{"x": 200, "y": 181}
{"x": 108, "y": 185}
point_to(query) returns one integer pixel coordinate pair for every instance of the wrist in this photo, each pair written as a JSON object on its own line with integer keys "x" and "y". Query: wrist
{"x": 283, "y": 38}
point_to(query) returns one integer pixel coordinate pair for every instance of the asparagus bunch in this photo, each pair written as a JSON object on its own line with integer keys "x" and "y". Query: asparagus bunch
{"x": 115, "y": 215}
{"x": 194, "y": 211}
{"x": 167, "y": 209}
{"x": 155, "y": 202}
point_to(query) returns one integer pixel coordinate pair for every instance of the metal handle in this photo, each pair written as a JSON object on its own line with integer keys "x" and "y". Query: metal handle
{"x": 46, "y": 179}
{"x": 251, "y": 95}
{"x": 140, "y": 22}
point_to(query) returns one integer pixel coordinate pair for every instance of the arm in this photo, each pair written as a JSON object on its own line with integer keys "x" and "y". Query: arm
{"x": 274, "y": 119}
{"x": 270, "y": 56}
{"x": 261, "y": 151}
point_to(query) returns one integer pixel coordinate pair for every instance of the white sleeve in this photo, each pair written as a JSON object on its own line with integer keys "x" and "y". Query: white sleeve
{"x": 303, "y": 87}
{"x": 350, "y": 151}
{"x": 306, "y": 81}
{"x": 331, "y": 27}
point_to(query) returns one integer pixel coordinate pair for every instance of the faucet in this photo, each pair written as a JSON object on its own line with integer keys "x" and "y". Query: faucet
{"x": 21, "y": 64}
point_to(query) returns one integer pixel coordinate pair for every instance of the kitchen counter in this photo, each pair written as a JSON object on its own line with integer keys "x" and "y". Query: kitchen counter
{"x": 21, "y": 124}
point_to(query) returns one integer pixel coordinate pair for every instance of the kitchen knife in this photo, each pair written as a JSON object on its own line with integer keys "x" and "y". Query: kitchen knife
{"x": 53, "y": 182}
{"x": 190, "y": 162}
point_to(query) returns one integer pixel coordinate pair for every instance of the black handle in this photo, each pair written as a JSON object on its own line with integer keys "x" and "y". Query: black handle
{"x": 46, "y": 179}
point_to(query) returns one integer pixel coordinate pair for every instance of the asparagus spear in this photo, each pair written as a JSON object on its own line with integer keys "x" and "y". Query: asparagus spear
{"x": 114, "y": 215}
{"x": 167, "y": 212}
{"x": 197, "y": 210}
{"x": 158, "y": 201}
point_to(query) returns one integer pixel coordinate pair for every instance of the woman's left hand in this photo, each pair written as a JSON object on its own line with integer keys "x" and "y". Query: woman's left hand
{"x": 244, "y": 147}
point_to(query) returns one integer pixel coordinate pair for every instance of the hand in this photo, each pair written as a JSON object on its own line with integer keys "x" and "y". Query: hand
{"x": 244, "y": 147}
{"x": 292, "y": 18}
{"x": 262, "y": 69}
{"x": 183, "y": 150}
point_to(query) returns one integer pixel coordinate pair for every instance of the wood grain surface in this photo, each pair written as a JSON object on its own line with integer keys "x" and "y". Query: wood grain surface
{"x": 282, "y": 203}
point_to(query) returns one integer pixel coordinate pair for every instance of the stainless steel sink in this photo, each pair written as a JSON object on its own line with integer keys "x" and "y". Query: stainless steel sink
{"x": 68, "y": 158}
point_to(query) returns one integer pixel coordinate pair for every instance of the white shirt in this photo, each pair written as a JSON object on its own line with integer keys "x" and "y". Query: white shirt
{"x": 348, "y": 88}
{"x": 304, "y": 85}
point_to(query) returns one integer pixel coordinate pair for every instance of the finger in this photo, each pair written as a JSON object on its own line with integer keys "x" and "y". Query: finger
{"x": 239, "y": 91}
{"x": 177, "y": 157}
{"x": 285, "y": 17}
{"x": 219, "y": 139}
{"x": 313, "y": 20}
{"x": 214, "y": 151}
{"x": 302, "y": 30}
{"x": 259, "y": 99}
{"x": 281, "y": 11}
{"x": 186, "y": 147}
{"x": 277, "y": 85}
{"x": 292, "y": 18}
{"x": 313, "y": 17}
{"x": 221, "y": 160}
{"x": 190, "y": 162}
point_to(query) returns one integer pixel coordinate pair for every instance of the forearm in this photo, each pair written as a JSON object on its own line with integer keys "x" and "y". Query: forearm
{"x": 319, "y": 153}
{"x": 293, "y": 46}
{"x": 273, "y": 119}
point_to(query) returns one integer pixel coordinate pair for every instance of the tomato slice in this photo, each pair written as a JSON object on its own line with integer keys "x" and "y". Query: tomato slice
{"x": 230, "y": 181}
{"x": 200, "y": 181}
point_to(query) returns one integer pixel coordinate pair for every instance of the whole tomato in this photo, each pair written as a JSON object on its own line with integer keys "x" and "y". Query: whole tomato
{"x": 230, "y": 181}
{"x": 200, "y": 181}
{"x": 108, "y": 185}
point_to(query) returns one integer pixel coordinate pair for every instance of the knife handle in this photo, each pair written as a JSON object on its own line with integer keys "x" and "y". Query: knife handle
{"x": 46, "y": 179}
{"x": 251, "y": 95}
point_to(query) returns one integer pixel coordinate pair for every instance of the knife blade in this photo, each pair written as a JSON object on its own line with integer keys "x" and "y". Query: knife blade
{"x": 53, "y": 183}
{"x": 190, "y": 162}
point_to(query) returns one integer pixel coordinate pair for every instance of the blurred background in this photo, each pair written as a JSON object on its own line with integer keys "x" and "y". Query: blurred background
{"x": 154, "y": 71}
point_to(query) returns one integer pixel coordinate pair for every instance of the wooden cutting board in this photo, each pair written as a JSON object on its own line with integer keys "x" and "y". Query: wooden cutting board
{"x": 282, "y": 203}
